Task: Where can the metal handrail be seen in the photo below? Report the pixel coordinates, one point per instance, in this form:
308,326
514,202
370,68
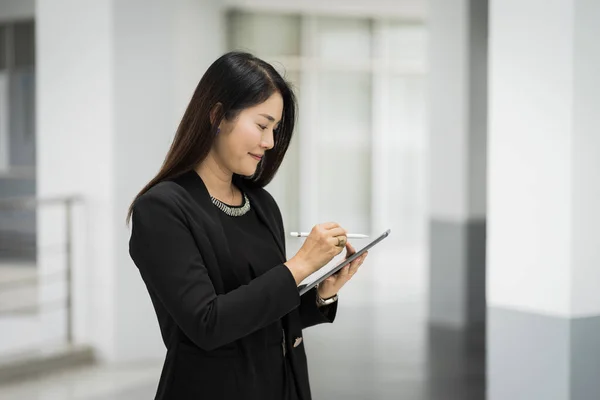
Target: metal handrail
17,284
29,202
52,305
33,202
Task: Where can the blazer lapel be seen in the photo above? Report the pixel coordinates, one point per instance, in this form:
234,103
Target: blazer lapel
192,182
268,218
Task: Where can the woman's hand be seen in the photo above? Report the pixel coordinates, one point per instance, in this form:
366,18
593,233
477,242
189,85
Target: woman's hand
331,286
324,242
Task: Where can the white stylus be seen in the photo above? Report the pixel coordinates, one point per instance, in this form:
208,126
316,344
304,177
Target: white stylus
349,236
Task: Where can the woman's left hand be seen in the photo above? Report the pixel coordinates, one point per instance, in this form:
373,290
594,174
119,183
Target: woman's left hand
331,286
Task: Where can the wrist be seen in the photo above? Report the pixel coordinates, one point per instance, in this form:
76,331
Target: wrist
299,269
324,294
325,301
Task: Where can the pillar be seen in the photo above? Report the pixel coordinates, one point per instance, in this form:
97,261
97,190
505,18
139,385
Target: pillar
457,126
544,157
114,78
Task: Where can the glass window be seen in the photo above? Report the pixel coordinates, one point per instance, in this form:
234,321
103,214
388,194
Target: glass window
24,48
339,78
344,152
17,95
406,147
2,48
343,39
266,35
407,43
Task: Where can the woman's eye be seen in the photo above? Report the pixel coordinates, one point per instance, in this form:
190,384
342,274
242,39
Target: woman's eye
263,127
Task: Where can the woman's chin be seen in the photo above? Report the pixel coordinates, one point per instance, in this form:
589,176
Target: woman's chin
247,171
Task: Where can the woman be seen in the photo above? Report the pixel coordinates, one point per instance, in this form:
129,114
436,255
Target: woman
208,241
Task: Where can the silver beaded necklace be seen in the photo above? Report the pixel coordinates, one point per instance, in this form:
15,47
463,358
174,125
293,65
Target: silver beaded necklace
232,211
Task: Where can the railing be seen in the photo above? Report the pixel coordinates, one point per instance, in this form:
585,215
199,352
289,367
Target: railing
17,248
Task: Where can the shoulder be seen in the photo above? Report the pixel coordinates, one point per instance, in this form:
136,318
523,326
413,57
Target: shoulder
157,219
163,197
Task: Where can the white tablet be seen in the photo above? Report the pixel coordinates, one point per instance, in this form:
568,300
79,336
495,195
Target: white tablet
319,276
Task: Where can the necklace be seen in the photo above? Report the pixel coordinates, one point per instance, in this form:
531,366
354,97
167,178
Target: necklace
232,211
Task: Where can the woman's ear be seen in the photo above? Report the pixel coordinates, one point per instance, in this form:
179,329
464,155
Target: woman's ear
216,113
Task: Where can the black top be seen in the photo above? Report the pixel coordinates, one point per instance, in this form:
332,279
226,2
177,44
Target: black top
251,243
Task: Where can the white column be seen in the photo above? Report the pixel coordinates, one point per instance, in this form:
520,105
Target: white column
164,47
457,139
74,142
114,78
543,258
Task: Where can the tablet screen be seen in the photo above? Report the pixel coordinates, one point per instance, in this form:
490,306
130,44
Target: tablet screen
325,272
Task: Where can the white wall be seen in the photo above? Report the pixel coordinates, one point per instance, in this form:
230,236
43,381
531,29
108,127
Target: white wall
529,169
585,153
113,82
544,144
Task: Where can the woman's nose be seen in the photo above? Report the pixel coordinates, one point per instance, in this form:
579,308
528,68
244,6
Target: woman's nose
267,141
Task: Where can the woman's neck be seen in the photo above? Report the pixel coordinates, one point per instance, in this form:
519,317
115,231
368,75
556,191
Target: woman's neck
218,180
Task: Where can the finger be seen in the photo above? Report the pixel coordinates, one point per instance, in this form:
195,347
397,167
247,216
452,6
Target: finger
338,231
346,271
355,265
358,262
330,225
362,259
339,242
338,250
349,249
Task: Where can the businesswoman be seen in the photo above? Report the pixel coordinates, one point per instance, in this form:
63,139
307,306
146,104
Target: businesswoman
209,244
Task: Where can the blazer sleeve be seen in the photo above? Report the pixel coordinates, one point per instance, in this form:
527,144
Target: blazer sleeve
310,313
170,263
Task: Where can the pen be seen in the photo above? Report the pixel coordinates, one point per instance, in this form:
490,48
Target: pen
349,236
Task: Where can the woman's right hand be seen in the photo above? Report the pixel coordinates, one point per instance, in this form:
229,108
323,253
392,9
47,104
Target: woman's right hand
324,242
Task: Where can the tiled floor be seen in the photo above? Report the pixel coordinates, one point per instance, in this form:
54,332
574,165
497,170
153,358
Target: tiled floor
131,381
379,348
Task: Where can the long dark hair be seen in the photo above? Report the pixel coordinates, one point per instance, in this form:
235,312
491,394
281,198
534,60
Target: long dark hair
236,80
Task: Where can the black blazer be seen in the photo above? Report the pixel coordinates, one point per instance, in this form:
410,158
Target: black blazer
211,316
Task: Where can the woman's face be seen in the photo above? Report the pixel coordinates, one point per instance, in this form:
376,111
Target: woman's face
241,143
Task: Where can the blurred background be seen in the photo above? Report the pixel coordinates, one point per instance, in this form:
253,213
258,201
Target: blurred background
467,127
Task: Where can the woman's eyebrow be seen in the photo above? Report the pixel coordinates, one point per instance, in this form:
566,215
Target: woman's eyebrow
267,116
